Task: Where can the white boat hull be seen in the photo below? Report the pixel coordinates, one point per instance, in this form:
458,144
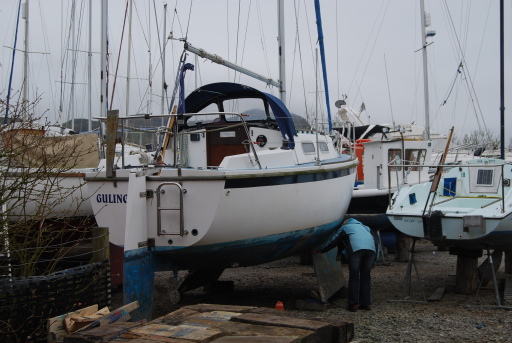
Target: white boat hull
467,219
227,210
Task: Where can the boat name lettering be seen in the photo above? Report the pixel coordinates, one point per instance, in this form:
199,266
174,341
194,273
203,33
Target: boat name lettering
112,198
227,134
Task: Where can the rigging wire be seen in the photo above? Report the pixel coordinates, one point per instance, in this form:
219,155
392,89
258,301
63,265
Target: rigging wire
245,38
368,43
262,38
119,56
237,35
467,77
189,15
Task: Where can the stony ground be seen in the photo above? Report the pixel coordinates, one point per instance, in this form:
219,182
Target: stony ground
455,318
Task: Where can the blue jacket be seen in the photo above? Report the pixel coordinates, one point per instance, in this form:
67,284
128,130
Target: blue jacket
359,235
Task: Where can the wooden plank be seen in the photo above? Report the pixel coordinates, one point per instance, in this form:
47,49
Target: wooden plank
322,329
131,337
57,327
258,339
208,319
188,332
236,329
120,314
103,333
156,340
176,317
437,295
343,331
218,307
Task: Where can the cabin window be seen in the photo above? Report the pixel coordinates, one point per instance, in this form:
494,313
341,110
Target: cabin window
212,108
484,177
251,108
323,147
415,157
394,157
308,148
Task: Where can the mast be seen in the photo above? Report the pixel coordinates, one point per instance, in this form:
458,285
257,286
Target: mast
25,60
150,96
104,42
322,56
73,67
164,41
89,71
12,65
282,55
502,83
424,24
128,64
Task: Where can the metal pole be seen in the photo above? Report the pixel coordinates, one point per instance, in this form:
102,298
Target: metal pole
502,83
218,59
25,60
128,64
103,62
282,54
425,69
89,70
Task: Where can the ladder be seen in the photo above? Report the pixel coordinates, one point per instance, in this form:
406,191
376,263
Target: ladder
160,209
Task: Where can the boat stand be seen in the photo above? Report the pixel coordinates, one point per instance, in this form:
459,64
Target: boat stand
407,282
382,255
490,266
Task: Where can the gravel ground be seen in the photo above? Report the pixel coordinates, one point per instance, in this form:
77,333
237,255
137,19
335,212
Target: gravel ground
455,318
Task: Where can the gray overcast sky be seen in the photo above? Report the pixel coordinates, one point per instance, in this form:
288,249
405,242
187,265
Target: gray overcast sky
372,54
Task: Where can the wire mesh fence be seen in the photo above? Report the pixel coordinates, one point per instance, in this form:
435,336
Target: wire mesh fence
26,303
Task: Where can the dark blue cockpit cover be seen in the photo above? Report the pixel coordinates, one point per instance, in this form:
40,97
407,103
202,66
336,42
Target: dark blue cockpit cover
218,92
283,118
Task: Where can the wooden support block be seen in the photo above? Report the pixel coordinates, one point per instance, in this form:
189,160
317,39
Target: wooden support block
466,279
102,333
437,295
343,331
238,329
258,339
323,330
191,333
217,307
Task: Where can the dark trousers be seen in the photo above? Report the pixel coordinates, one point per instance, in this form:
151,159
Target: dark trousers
360,265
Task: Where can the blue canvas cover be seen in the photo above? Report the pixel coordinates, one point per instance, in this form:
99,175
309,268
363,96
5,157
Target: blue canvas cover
218,92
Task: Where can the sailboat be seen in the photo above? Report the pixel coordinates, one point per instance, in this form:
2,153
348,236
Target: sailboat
469,206
232,189
378,147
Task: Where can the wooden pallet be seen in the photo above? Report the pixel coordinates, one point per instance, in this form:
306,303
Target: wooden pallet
204,323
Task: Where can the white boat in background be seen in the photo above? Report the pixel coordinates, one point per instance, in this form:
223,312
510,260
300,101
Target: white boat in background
377,147
470,206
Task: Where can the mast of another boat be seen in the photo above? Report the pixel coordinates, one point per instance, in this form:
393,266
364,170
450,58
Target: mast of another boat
502,83
281,51
129,59
425,23
103,58
25,60
89,70
164,41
